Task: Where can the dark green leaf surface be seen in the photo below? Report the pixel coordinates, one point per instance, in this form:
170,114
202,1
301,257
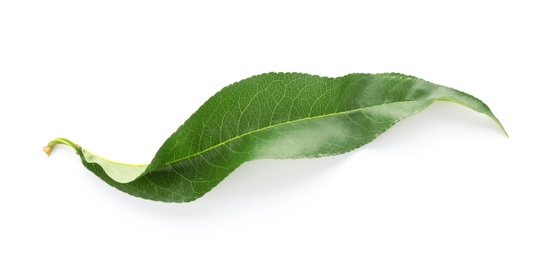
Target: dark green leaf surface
275,116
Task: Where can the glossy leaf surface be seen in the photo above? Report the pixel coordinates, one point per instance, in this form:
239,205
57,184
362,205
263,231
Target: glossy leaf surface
274,116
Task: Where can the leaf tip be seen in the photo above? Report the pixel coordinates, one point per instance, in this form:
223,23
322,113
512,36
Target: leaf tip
500,125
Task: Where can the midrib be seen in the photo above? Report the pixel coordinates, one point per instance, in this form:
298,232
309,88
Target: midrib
280,124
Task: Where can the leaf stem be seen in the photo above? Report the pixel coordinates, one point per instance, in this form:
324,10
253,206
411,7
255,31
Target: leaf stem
48,149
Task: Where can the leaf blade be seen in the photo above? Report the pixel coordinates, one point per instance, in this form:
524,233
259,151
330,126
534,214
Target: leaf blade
280,116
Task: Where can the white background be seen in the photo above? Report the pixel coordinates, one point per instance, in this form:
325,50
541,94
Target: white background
119,77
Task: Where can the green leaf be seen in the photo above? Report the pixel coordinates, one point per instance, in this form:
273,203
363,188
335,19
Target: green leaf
274,116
